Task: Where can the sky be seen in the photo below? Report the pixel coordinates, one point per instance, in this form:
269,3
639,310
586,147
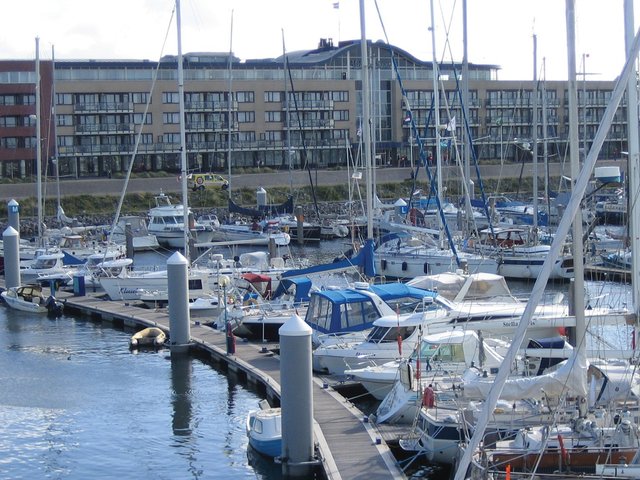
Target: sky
500,32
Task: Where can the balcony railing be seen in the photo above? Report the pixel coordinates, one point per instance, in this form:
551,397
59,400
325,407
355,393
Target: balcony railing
104,128
103,107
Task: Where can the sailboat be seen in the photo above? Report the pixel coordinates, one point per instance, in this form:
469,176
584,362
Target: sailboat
571,216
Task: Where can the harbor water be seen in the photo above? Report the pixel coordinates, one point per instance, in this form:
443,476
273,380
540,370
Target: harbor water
76,403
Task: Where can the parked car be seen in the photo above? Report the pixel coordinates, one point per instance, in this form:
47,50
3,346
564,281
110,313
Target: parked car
200,181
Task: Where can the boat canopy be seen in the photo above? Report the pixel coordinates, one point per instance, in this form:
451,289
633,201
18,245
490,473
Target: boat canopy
299,286
355,309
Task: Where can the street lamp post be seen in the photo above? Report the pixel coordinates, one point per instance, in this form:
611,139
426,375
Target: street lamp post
224,281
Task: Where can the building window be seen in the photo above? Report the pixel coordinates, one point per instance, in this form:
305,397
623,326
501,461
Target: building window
270,97
8,122
171,138
273,116
137,119
17,77
64,99
245,97
340,96
64,120
247,136
171,118
9,142
65,140
246,117
273,135
140,97
7,100
170,97
341,115
86,98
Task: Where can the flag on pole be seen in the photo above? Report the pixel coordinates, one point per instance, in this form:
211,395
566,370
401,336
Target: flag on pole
451,126
336,5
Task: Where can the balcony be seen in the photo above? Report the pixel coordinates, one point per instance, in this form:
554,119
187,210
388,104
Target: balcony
309,105
210,106
104,128
192,127
311,124
103,107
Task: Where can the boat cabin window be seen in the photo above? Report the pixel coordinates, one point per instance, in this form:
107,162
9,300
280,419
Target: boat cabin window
406,304
443,432
257,426
195,284
319,312
349,315
45,263
449,353
357,314
387,335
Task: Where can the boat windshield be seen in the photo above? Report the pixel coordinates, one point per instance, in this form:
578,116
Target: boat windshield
389,334
443,352
408,304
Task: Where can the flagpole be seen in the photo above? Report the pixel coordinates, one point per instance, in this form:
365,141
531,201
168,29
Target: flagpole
336,6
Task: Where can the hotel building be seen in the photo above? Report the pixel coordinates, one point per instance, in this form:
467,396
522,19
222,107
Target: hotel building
265,112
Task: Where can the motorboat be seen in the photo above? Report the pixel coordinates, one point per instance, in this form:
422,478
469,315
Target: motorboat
447,352
44,264
142,239
30,298
264,430
263,311
132,284
166,222
338,315
255,233
519,253
148,337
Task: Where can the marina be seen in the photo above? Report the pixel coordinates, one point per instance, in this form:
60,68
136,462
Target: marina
397,349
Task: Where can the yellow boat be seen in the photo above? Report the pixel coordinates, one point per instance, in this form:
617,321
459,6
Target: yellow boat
148,337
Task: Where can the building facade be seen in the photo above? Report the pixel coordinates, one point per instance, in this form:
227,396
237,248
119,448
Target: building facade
305,111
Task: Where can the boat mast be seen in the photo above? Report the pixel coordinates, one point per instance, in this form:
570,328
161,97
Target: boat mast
633,169
38,143
468,226
545,143
287,124
183,135
436,108
230,106
55,136
366,120
574,156
534,136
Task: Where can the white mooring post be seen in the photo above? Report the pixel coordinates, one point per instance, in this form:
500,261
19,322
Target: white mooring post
13,210
11,241
296,398
178,289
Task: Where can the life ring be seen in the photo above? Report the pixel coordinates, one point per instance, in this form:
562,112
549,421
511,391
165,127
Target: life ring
199,180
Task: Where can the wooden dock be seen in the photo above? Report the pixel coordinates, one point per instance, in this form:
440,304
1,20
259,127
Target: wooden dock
349,446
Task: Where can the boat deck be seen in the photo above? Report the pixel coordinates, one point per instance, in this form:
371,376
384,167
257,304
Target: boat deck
350,447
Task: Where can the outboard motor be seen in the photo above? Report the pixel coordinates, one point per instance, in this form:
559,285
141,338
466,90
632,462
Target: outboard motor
54,308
